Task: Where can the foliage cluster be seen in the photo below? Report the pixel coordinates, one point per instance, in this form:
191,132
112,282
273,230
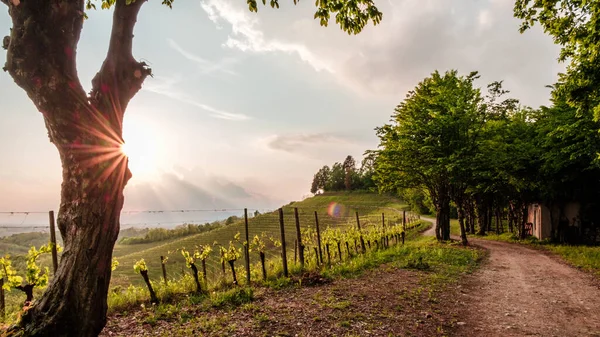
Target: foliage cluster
345,176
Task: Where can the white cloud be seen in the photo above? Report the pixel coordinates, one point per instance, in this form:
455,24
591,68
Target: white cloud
415,38
165,87
247,35
205,65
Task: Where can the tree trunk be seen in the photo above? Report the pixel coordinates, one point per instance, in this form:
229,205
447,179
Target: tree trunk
196,279
87,131
339,247
443,219
461,221
498,220
348,250
481,215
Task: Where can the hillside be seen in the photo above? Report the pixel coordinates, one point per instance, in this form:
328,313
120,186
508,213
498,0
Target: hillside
333,209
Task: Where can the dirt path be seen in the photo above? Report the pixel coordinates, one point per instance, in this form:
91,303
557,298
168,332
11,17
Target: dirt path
520,291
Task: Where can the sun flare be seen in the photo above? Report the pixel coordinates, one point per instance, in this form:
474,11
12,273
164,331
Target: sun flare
143,147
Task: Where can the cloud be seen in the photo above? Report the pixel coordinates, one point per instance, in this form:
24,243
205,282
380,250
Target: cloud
205,66
165,86
247,36
185,189
415,38
296,143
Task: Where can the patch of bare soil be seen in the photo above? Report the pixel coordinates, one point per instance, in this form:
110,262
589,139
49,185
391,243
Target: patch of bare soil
387,301
521,291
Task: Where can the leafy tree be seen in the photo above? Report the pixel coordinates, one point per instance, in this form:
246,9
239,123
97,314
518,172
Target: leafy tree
349,166
573,24
87,131
430,131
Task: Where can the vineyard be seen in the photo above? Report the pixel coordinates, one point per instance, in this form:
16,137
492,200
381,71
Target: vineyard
258,248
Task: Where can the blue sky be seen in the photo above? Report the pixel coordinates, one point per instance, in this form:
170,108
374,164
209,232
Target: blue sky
245,107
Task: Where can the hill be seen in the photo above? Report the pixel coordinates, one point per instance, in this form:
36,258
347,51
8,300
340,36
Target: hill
333,210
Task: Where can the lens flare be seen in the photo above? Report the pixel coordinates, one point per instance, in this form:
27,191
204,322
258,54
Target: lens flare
335,210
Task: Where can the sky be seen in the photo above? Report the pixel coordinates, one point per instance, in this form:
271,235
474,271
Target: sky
245,107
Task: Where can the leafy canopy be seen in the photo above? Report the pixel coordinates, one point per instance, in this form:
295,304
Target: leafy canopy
351,15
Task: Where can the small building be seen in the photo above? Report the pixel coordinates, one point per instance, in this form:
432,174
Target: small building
555,221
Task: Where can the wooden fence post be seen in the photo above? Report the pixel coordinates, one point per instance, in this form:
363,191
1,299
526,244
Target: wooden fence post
318,238
2,303
362,241
53,241
404,220
247,246
299,238
283,252
164,268
384,238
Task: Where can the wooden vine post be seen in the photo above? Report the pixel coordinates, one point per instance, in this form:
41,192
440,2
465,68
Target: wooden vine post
299,238
247,247
164,268
53,241
362,240
283,252
2,302
318,237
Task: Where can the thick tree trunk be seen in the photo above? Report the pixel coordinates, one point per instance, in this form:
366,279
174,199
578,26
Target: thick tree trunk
87,131
443,219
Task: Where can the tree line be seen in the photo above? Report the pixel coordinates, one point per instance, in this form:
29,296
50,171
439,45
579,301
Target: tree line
453,148
345,176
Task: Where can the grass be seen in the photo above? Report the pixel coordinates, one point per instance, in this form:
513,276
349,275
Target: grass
586,258
446,261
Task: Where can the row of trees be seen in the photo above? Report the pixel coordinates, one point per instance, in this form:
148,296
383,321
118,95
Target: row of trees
345,176
487,155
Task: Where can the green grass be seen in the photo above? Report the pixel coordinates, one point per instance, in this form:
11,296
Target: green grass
447,261
584,257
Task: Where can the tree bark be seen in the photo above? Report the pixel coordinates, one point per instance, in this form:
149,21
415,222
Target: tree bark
87,131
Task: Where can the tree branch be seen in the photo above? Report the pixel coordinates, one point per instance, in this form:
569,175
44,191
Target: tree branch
121,76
